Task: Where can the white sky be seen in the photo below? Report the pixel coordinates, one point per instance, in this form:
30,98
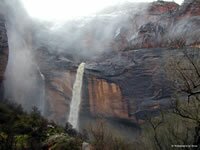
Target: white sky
61,10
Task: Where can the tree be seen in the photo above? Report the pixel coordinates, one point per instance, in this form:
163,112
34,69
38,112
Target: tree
185,74
179,125
101,137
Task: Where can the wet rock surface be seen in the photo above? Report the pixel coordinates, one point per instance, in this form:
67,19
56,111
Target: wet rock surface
189,8
3,52
167,27
59,75
3,47
139,74
149,35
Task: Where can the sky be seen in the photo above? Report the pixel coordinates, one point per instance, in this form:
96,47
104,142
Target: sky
61,10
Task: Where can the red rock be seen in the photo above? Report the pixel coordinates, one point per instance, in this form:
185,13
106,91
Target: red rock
106,99
161,7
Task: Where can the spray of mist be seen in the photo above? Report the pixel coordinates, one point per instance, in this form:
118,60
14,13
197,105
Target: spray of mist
24,83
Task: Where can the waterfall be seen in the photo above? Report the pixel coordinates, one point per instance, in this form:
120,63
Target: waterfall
41,106
76,97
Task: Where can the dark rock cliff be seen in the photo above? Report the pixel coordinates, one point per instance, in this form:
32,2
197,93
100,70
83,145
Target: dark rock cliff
139,77
3,52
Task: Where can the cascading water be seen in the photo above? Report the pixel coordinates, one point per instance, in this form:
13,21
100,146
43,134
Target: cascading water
41,106
76,97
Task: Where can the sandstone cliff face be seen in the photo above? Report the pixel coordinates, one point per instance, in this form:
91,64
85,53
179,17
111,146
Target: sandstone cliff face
106,99
161,7
101,98
58,96
168,28
59,75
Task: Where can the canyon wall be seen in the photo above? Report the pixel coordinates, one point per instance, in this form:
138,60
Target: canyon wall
101,97
58,96
139,78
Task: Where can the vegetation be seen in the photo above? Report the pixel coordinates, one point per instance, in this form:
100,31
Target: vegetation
20,130
102,138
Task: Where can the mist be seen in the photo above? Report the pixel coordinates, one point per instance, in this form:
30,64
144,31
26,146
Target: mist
23,81
186,29
92,35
